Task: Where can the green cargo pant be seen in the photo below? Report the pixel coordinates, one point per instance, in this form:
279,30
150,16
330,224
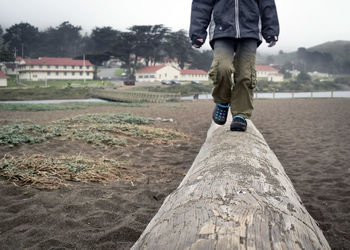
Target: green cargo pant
237,57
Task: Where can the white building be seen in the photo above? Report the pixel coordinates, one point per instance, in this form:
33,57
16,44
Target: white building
3,79
167,73
193,75
50,68
268,73
318,74
294,72
157,73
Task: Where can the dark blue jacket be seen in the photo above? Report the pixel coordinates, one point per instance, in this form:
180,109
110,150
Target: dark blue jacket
234,19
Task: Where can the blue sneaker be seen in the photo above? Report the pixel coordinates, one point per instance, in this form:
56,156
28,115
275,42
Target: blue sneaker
220,113
239,123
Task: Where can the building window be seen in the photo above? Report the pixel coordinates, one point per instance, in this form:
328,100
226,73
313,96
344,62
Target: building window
140,77
40,66
56,73
88,73
65,73
64,66
81,67
48,66
152,76
31,66
56,66
81,73
48,73
165,75
87,67
72,67
146,76
73,73
160,76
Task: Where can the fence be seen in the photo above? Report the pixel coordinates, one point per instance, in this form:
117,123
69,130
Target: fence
285,95
135,96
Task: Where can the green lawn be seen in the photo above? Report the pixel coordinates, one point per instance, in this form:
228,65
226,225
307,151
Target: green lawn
119,72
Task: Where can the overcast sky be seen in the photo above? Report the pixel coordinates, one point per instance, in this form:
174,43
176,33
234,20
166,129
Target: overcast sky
304,23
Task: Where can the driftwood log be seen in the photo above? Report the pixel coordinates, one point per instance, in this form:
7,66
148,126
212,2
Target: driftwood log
235,196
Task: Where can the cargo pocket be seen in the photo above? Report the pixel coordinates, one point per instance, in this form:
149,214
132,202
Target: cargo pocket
253,80
213,72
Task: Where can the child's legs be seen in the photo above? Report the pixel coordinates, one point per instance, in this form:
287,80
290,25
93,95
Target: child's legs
244,78
221,70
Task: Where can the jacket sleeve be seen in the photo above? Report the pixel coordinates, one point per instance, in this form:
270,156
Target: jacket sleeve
200,18
269,18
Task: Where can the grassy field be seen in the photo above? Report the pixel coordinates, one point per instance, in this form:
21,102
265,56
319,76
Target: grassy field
56,83
43,93
119,72
53,89
79,90
183,89
61,106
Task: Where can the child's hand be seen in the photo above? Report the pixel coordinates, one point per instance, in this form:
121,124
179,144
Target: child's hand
197,43
272,41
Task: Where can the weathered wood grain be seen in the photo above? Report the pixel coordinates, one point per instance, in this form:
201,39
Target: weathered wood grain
235,196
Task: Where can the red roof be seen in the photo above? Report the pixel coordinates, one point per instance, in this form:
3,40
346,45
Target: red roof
193,72
150,69
2,74
56,61
265,68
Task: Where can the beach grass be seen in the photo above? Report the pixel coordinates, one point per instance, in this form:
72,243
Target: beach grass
48,172
103,129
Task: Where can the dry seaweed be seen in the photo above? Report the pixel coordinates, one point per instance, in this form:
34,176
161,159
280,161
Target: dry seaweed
43,172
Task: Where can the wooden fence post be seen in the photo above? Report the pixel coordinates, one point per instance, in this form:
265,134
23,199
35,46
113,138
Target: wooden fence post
236,195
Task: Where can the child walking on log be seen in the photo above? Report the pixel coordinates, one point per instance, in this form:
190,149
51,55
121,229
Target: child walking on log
236,29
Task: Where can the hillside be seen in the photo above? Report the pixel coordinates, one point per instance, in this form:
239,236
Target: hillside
340,50
330,57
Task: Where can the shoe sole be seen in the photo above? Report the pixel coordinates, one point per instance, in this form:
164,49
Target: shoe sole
238,126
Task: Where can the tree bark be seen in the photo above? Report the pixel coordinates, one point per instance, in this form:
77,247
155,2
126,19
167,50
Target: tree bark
235,196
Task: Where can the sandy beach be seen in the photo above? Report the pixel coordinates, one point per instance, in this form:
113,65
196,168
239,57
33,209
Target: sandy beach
309,136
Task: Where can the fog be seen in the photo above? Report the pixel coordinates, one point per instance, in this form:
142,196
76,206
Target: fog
303,23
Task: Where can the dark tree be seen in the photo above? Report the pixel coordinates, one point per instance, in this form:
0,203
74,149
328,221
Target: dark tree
124,48
63,41
22,35
149,42
201,59
287,75
303,77
179,47
68,39
1,39
103,39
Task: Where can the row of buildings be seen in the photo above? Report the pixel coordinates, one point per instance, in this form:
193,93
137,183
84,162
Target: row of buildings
167,72
48,68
